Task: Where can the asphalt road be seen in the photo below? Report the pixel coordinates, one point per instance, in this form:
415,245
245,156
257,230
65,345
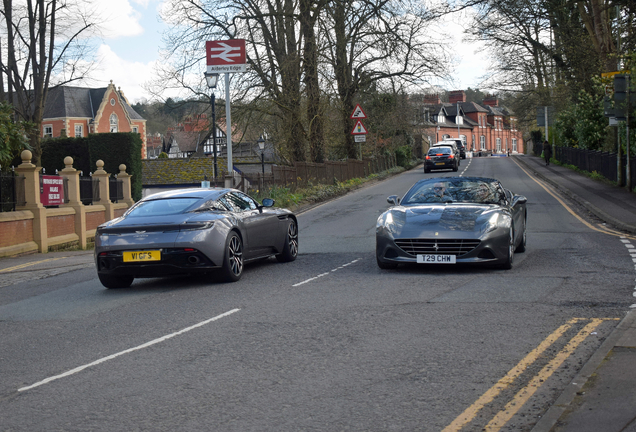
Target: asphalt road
328,342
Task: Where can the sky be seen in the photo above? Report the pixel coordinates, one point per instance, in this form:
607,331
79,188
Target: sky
129,49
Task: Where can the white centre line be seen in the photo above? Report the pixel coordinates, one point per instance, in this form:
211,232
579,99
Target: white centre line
325,274
110,357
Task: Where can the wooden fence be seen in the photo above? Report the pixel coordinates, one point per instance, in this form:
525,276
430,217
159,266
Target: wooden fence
303,174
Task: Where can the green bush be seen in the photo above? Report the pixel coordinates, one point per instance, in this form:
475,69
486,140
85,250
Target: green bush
112,148
403,156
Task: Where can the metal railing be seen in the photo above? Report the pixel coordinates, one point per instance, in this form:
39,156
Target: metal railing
604,163
11,191
89,190
116,189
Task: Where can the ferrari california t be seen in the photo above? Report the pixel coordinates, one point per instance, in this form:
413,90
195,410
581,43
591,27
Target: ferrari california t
193,231
452,220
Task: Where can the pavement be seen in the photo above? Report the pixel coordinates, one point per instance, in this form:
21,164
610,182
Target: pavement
601,398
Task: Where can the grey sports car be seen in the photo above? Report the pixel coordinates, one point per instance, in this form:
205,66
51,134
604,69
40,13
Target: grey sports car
452,220
193,231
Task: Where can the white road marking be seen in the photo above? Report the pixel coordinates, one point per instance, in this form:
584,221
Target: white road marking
325,274
110,357
630,249
464,170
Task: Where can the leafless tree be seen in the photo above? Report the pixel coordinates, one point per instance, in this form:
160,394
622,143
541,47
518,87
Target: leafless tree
297,49
45,44
374,41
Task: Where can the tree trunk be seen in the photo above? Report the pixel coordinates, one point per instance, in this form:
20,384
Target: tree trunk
312,86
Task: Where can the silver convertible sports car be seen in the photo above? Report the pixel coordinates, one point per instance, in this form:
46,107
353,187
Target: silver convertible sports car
452,220
193,231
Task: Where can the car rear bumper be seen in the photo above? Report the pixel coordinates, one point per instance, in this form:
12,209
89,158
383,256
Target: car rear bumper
450,164
173,261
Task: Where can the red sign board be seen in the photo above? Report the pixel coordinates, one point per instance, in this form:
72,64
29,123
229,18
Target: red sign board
225,55
51,190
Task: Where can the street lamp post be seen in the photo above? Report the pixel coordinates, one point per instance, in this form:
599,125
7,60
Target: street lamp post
261,145
212,79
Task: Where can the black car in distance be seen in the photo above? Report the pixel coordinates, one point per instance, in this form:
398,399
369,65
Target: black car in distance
441,157
461,147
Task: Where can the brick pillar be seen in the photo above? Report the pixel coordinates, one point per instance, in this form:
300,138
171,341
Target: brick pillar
73,180
126,183
104,190
33,204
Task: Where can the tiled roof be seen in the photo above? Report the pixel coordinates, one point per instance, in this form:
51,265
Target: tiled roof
188,141
469,107
80,102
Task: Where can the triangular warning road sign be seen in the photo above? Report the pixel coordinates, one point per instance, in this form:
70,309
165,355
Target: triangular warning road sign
358,113
359,129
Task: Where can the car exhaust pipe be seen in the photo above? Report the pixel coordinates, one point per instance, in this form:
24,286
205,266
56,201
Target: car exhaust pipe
193,259
104,264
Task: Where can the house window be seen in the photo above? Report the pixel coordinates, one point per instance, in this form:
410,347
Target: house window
445,136
463,138
514,145
498,145
482,142
47,131
135,129
79,130
113,122
112,101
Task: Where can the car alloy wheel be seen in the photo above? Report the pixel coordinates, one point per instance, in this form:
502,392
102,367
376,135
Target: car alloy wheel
524,236
290,250
233,261
507,265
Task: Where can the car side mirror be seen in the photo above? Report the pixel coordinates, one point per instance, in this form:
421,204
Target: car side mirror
268,202
393,200
519,199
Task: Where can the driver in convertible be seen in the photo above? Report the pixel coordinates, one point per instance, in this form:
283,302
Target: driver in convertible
439,194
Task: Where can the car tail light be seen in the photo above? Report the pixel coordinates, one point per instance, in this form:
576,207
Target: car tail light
452,156
428,157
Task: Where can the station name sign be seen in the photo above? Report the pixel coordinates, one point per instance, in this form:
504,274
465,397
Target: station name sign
226,56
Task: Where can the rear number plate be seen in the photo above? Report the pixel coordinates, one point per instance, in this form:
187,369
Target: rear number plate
440,163
138,256
436,259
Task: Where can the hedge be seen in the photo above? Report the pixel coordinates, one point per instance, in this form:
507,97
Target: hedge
112,148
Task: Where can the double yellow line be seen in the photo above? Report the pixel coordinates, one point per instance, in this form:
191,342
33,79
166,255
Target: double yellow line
29,264
517,402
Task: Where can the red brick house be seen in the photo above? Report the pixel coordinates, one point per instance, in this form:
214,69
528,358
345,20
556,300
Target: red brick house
78,111
485,126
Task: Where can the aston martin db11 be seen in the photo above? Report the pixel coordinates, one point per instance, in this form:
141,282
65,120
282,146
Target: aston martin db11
193,231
